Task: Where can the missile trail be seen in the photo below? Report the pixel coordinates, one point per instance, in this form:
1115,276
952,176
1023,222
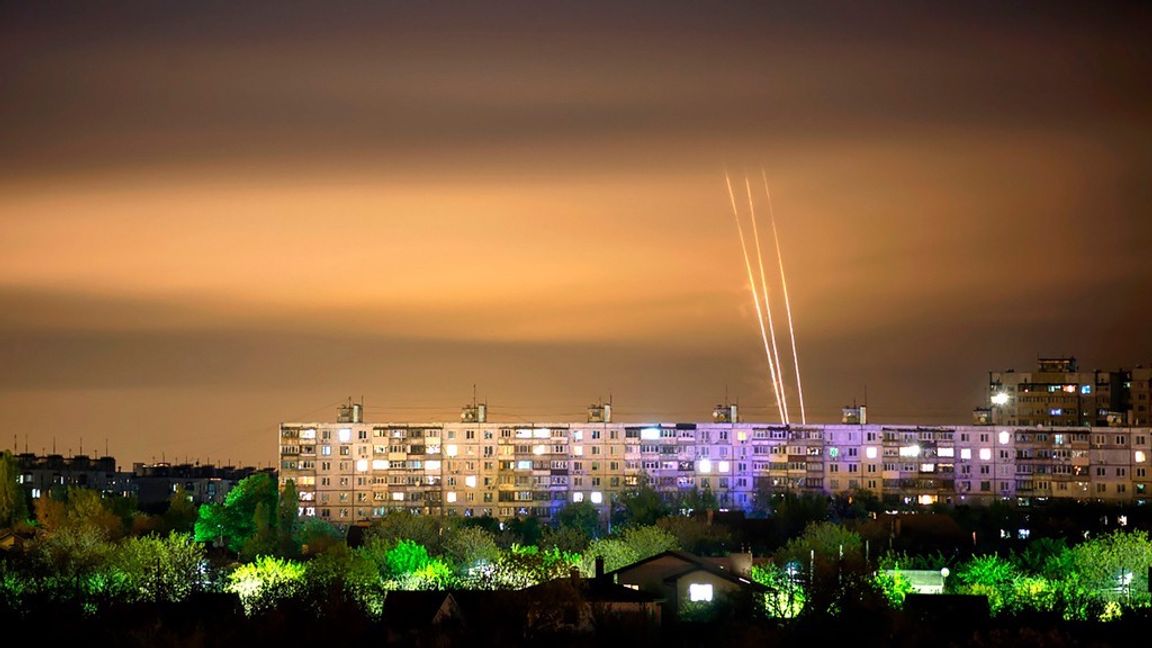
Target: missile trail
787,303
783,395
755,297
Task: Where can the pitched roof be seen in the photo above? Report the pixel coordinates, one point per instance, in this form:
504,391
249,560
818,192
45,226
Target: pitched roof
692,563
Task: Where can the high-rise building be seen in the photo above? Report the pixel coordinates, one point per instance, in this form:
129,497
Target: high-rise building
1057,393
356,470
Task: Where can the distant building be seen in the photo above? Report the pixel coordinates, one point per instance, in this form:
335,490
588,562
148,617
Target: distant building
151,484
43,475
678,578
1057,393
155,483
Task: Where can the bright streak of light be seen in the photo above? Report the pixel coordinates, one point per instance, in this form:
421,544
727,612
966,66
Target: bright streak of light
755,297
783,394
787,302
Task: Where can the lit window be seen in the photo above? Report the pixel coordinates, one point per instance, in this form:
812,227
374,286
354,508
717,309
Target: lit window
1085,389
927,467
704,466
578,451
345,435
432,464
361,465
1141,457
450,496
1056,411
577,496
524,465
539,449
470,481
741,436
700,592
910,451
450,450
985,454
650,433
1000,398
307,434
946,452
597,497
1005,437
871,452
965,453
723,466
379,464
398,497
35,493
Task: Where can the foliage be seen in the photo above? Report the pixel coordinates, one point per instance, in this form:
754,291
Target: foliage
523,531
990,576
696,535
342,575
13,503
580,516
564,539
159,568
827,541
642,505
181,514
400,525
318,536
1113,567
265,582
235,521
785,597
470,547
895,586
523,566
634,544
288,520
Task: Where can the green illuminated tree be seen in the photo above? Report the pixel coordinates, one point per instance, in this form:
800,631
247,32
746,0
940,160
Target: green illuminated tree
1114,567
235,521
164,568
424,530
471,547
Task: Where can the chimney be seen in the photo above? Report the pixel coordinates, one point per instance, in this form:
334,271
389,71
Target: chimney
599,567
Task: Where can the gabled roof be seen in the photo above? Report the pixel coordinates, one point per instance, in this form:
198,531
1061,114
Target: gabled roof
593,590
404,608
721,573
692,563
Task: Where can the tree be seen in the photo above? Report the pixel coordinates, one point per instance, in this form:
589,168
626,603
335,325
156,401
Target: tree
1114,566
523,530
235,521
288,520
265,582
181,514
471,548
696,535
581,516
990,576
13,501
424,530
159,568
318,536
642,505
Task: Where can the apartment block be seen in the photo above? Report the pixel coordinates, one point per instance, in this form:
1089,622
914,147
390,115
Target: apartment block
355,470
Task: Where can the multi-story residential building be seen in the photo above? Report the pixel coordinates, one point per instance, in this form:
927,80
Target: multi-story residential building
1058,393
40,475
154,483
354,470
151,484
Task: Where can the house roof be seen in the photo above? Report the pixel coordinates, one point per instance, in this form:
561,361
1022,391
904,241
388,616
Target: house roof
692,563
720,573
594,590
417,608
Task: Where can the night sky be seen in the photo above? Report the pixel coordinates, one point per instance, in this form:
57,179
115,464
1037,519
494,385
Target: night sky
218,216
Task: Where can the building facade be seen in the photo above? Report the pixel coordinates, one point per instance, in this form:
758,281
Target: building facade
355,470
1057,393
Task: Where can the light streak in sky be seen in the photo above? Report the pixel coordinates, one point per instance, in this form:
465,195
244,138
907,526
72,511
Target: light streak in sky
782,395
755,297
787,303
